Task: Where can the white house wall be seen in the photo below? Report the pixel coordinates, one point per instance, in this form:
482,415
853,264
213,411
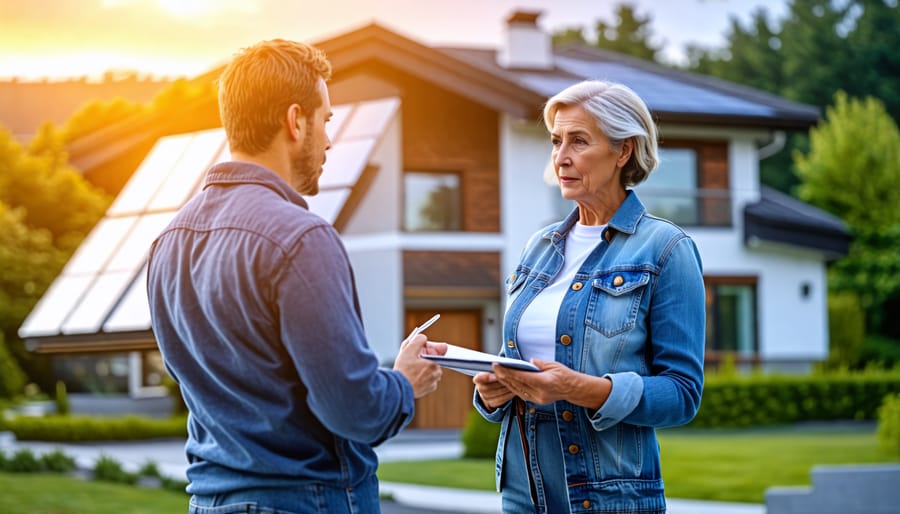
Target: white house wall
378,269
380,209
527,201
379,284
789,327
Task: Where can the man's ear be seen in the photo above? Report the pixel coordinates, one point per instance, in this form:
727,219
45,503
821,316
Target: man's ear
296,122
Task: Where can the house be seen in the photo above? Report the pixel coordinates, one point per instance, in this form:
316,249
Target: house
434,182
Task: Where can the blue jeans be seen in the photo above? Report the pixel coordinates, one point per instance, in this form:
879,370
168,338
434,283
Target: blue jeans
303,499
547,468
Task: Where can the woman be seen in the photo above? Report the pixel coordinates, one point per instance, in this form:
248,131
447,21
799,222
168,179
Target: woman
609,303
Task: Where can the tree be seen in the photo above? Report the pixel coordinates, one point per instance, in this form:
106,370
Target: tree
817,48
97,114
53,195
853,171
12,379
751,58
630,35
28,263
46,209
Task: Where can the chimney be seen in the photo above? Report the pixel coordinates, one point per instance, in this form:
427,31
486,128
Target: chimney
526,46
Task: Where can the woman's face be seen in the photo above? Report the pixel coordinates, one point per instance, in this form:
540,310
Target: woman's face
587,166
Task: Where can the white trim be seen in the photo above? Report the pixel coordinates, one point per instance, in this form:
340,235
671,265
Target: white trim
461,241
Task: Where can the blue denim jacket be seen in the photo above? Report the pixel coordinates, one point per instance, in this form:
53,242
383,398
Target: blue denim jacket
254,307
635,314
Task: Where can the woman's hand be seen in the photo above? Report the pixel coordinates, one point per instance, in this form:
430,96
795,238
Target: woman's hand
553,383
493,393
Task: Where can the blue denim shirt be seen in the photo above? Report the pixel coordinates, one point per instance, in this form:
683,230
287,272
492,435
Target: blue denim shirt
254,306
635,313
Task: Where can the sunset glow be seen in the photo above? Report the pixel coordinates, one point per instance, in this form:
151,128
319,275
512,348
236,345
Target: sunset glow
170,38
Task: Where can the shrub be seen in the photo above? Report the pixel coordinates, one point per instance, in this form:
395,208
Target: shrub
63,408
108,469
57,462
149,469
479,437
83,428
3,461
889,424
24,461
846,329
12,379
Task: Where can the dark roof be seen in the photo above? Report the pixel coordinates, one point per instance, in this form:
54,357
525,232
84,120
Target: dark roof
780,218
673,95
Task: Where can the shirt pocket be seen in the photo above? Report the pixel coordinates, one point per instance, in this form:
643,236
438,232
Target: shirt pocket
615,301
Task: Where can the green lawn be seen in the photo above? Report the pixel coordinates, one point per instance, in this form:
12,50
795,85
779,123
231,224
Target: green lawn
26,493
728,465
707,464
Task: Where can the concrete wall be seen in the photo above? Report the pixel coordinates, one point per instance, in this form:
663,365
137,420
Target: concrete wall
870,489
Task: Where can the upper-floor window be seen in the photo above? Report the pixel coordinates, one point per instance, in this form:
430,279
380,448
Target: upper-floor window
690,186
671,190
432,202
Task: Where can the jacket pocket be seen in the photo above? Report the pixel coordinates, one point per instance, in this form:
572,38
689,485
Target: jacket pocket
615,301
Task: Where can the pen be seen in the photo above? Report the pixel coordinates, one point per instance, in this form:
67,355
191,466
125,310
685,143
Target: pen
416,331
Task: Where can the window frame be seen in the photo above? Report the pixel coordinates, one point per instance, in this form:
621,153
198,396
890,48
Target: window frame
715,355
460,207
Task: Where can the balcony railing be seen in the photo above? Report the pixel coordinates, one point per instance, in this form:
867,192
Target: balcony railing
698,207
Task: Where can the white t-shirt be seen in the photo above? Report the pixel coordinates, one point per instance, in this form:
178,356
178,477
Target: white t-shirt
537,328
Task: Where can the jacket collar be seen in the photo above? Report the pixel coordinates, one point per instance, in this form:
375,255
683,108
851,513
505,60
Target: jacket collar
624,220
239,172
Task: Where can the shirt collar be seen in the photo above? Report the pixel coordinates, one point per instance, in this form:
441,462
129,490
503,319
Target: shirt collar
239,172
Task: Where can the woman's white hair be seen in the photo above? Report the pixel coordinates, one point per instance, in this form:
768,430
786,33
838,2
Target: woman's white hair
620,114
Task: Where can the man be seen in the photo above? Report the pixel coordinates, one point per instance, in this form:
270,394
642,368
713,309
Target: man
255,310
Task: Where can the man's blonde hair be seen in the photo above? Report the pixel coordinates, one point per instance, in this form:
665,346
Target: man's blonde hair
260,83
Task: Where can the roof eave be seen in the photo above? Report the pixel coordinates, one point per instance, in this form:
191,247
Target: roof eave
100,342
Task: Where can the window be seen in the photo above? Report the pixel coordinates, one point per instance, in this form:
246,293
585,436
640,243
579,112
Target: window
671,191
431,202
731,316
96,373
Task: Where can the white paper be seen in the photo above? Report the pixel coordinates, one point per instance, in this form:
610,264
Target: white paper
472,362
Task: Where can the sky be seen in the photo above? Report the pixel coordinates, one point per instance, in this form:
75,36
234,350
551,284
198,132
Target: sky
171,38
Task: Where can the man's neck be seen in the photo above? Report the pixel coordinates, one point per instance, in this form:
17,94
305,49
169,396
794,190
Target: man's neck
269,159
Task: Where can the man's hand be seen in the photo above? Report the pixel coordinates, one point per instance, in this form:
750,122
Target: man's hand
422,374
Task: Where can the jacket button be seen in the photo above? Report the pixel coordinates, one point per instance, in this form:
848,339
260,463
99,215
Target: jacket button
567,415
512,278
573,449
511,344
577,286
618,280
565,339
586,504
532,410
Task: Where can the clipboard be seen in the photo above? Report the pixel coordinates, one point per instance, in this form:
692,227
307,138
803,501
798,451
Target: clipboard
471,362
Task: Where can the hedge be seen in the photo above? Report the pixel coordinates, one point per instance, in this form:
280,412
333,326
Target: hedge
82,428
742,401
776,399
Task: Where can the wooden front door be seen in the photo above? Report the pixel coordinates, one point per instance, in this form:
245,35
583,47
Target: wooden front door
449,406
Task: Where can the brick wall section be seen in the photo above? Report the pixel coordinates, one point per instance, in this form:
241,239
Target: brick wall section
443,132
